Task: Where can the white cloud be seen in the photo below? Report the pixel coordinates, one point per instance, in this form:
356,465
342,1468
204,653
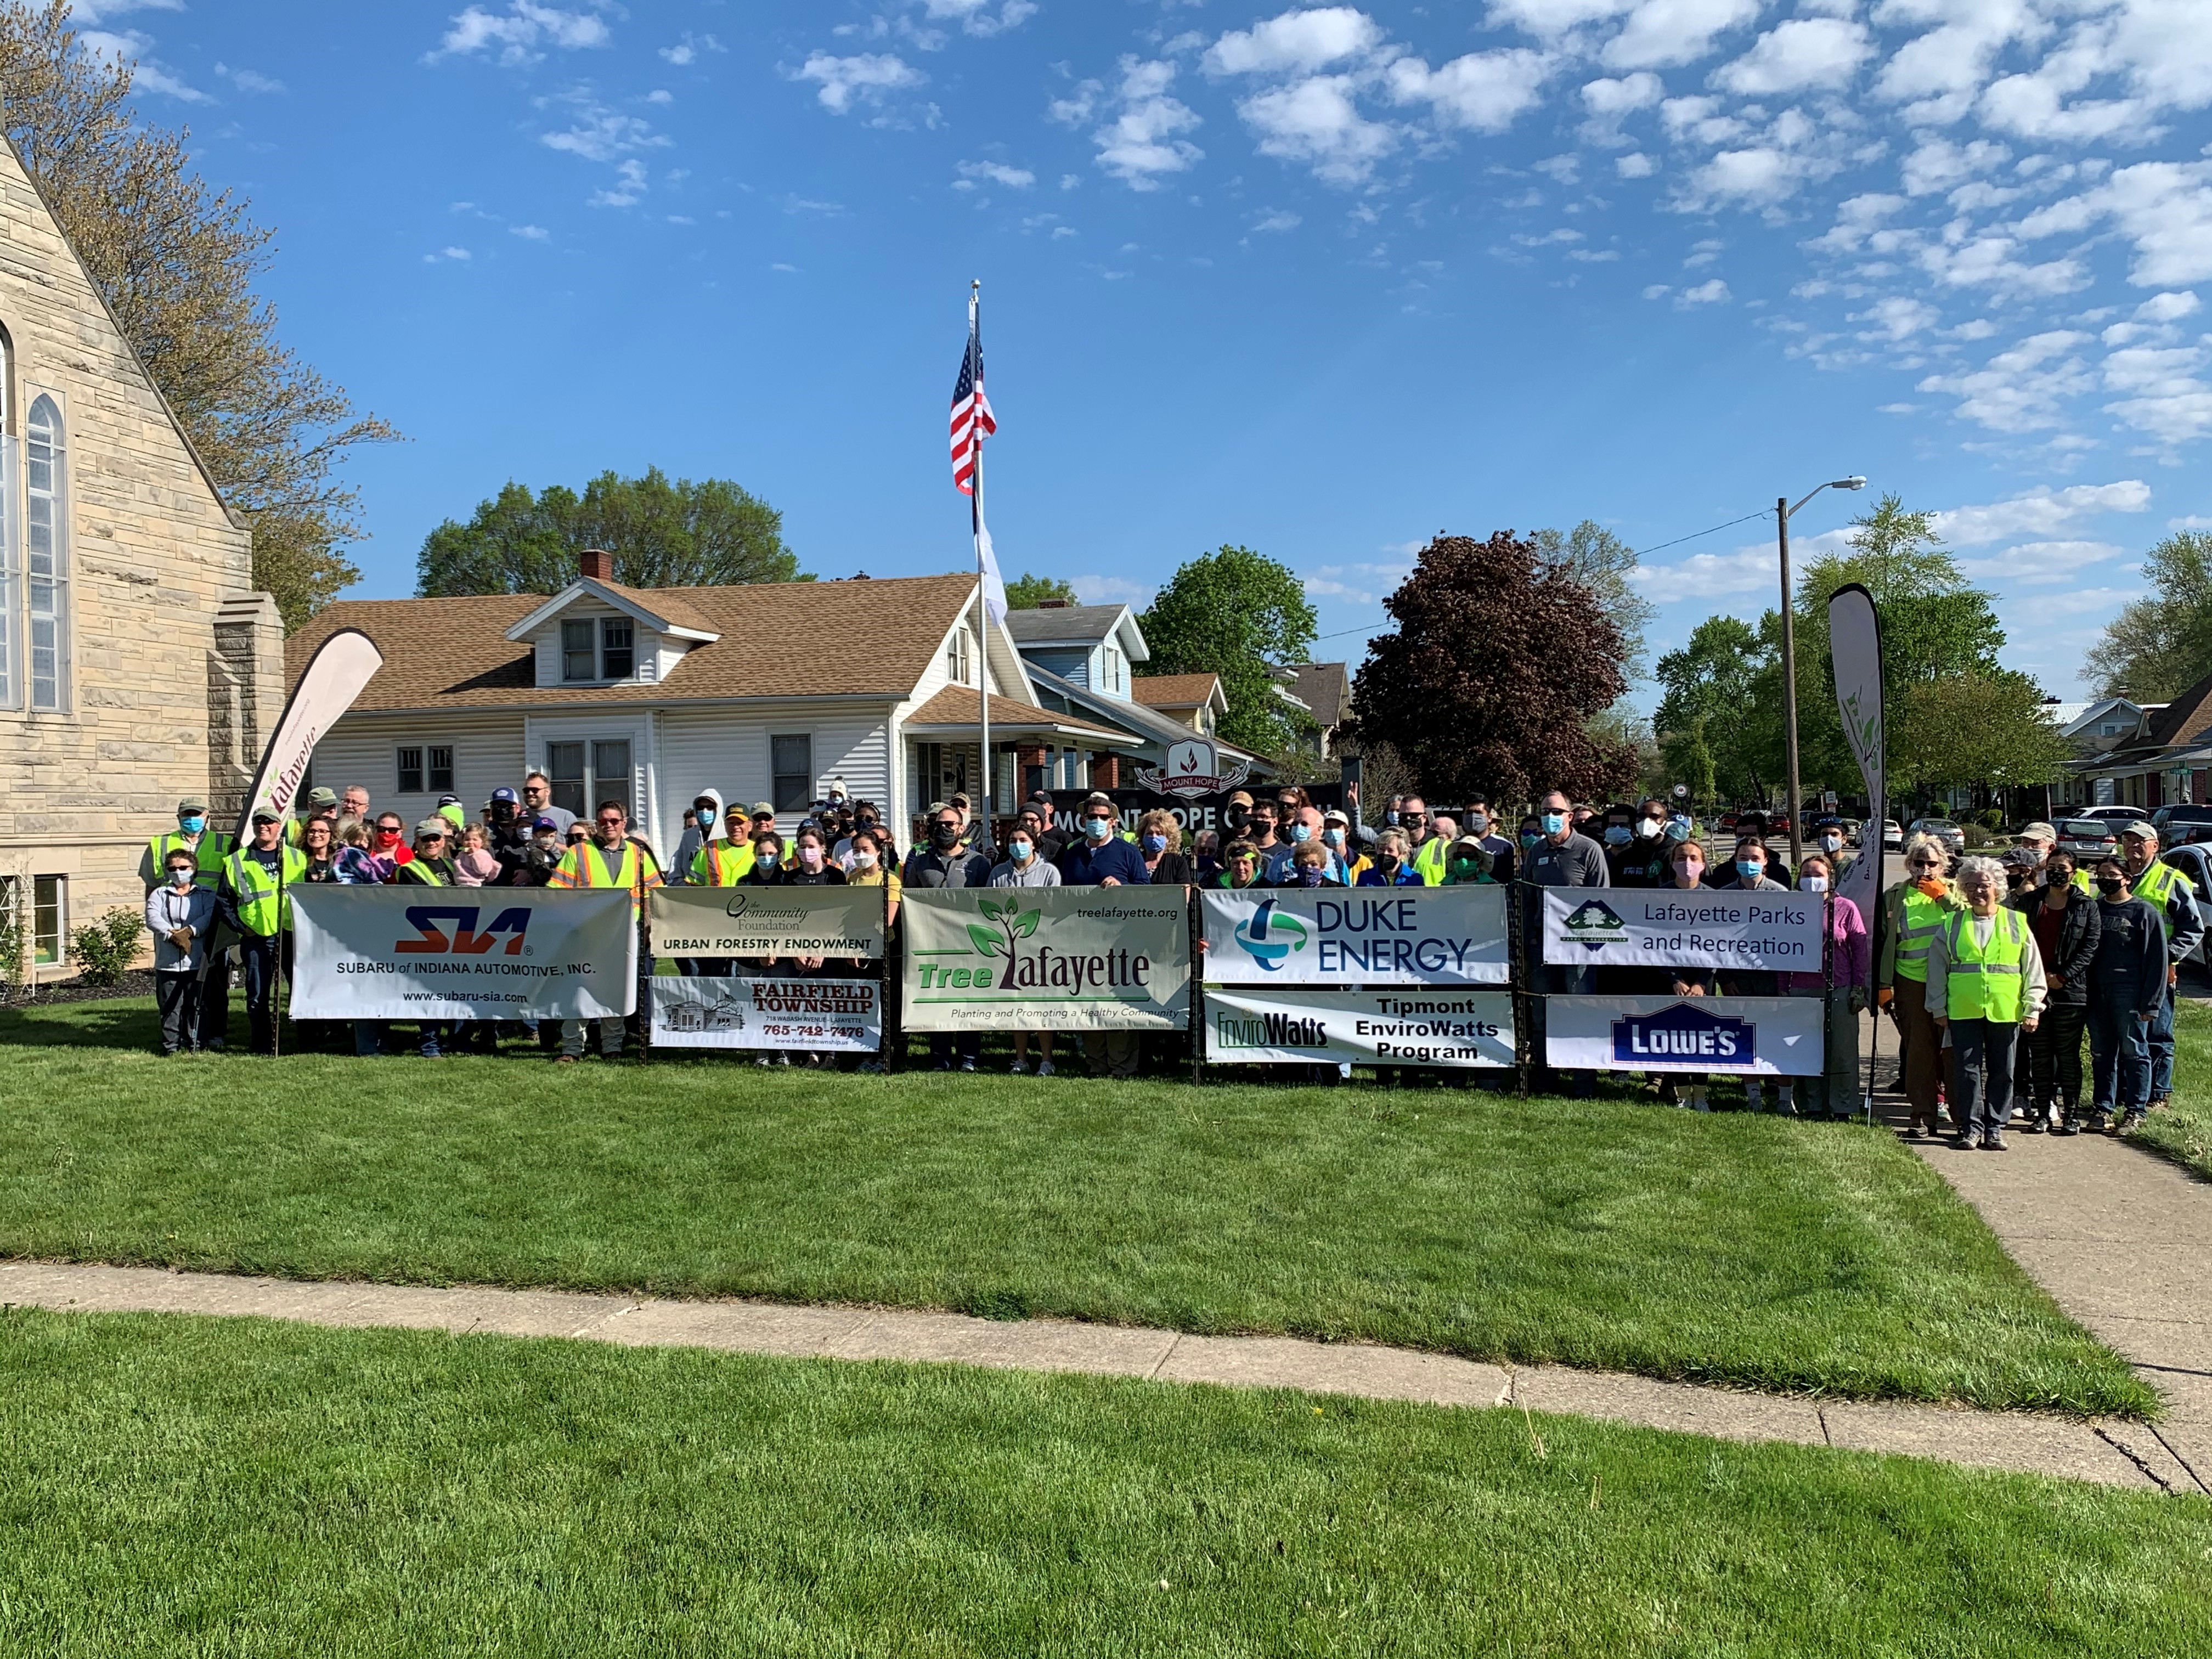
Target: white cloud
2019,390
85,13
1609,96
627,189
602,135
976,16
448,255
1111,590
1275,220
2163,392
1803,53
866,76
1139,146
147,73
1481,92
516,34
1663,32
1703,576
1954,56
1635,167
1317,122
1295,43
246,79
688,48
1712,293
529,232
2163,207
1550,18
997,173
2039,512
2168,308
2039,563
1896,318
1937,164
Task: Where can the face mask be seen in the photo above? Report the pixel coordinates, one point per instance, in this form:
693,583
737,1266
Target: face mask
1832,843
1813,884
387,837
1097,829
1461,869
1749,869
1391,818
943,833
810,856
1477,825
1554,822
2110,885
768,857
1618,835
1334,837
181,875
1300,833
1156,843
1690,874
1309,875
1678,831
1648,828
1237,816
193,824
1529,838
1021,851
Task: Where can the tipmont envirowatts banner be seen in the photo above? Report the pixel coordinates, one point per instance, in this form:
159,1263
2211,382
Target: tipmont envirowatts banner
1682,927
462,953
1045,959
1264,1025
767,921
1356,936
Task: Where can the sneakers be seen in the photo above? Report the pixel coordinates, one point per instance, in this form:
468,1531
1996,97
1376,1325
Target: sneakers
1969,1140
1993,1142
2134,1120
1044,1068
2069,1125
1019,1068
2160,1103
966,1065
2100,1122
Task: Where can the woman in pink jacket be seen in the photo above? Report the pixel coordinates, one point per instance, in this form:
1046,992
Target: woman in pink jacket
1849,963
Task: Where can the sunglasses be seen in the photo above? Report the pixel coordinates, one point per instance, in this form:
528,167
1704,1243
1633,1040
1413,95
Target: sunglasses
611,823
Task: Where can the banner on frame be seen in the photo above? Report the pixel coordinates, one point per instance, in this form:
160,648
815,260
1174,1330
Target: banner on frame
832,1016
1266,1025
1744,1036
1356,936
1045,959
767,921
1682,927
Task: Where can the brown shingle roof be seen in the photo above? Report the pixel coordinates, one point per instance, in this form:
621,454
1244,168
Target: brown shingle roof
778,639
2186,718
959,705
1320,686
1174,690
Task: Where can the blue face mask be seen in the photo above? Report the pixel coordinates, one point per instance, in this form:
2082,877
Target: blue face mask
769,858
1156,843
1020,849
1302,832
1097,829
1390,817
1334,837
193,823
1750,869
1618,835
1554,822
1529,838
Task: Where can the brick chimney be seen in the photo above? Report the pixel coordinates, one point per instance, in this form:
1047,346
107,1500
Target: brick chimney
597,564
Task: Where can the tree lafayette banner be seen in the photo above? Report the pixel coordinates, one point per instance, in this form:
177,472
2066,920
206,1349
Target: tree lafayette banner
1268,1025
1744,1036
462,953
1045,959
767,921
1682,927
834,1016
1356,936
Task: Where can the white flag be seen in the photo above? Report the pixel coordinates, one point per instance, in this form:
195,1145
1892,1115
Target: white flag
1854,646
334,677
994,585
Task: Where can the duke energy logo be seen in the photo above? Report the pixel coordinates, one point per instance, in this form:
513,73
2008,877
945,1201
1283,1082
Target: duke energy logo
1268,938
429,920
1594,925
1685,1032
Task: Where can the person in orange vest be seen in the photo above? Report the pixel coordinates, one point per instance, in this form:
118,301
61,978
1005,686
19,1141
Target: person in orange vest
609,858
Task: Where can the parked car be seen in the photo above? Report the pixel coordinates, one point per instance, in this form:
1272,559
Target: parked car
1892,838
2113,814
1853,829
2181,824
2195,862
2088,839
1954,839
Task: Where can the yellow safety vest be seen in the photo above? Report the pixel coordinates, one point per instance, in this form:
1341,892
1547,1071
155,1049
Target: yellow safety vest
586,865
259,892
1923,919
1429,860
214,848
1986,981
2157,883
720,863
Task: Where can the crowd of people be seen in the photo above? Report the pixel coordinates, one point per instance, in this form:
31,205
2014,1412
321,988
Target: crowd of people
1994,970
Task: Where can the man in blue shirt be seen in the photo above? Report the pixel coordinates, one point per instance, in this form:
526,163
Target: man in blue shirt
1102,858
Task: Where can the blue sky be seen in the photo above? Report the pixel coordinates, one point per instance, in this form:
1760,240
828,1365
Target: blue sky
1321,281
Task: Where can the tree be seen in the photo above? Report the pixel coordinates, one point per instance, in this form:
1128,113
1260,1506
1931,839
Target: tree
1712,688
1606,565
1499,663
1027,592
176,263
1689,762
1967,731
706,534
1244,616
2160,645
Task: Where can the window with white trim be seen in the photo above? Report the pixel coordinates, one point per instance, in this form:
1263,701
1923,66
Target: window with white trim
45,499
790,767
598,649
425,768
958,661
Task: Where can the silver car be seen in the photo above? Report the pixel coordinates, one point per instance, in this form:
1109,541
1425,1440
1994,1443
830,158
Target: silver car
1952,838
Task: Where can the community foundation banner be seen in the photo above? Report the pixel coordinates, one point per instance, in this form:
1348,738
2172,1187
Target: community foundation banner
1682,927
1356,936
1264,1025
1746,1037
1046,959
835,1015
462,953
767,921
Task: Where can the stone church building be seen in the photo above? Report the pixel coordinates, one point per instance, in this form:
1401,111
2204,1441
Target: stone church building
138,666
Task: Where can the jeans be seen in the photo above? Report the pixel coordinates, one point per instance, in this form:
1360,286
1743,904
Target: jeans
260,957
215,999
1981,1073
2161,1048
178,997
2120,1053
2054,1057
611,1037
1921,1061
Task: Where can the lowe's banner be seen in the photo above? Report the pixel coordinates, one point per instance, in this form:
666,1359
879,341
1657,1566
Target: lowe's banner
462,953
1356,936
767,921
1748,1037
1045,959
1682,927
1262,1025
830,1015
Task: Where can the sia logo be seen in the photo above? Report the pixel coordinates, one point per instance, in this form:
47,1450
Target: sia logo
1267,937
1594,925
428,920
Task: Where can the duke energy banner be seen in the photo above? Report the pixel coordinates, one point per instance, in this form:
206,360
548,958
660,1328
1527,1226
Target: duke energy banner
1749,1037
767,921
462,953
1682,927
1356,936
835,1016
1046,959
1261,1024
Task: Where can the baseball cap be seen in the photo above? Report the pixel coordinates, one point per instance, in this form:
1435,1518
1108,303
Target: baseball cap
1242,795
1337,815
546,821
736,809
962,800
433,827
763,809
2142,826
2039,831
505,795
449,801
191,804
266,814
319,796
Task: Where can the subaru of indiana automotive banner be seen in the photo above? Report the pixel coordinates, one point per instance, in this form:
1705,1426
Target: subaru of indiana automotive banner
826,1016
462,953
1748,1037
1261,1024
1276,936
1724,928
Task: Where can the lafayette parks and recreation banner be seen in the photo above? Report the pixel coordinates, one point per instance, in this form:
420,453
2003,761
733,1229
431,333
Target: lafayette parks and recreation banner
833,1016
1045,959
1356,936
1266,1025
1750,931
462,953
1744,1036
767,921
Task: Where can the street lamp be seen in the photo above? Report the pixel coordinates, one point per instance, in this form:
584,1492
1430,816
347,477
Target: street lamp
1783,513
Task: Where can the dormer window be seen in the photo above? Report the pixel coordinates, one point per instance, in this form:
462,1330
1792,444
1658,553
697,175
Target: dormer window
597,648
616,659
959,662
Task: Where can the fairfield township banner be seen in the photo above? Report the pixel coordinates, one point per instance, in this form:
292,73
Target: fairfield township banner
1746,1037
1266,1025
766,921
1356,936
1045,959
832,1016
462,953
1682,927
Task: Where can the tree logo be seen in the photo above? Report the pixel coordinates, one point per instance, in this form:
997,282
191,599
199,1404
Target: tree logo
1594,925
1269,936
1013,923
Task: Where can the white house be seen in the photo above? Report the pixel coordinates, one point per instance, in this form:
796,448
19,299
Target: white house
769,692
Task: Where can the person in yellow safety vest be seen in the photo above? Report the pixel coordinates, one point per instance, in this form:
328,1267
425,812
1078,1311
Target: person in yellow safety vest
609,858
1913,912
2173,895
257,906
321,804
1431,849
721,862
209,847
1986,986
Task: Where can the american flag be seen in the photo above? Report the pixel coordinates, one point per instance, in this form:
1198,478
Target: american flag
972,420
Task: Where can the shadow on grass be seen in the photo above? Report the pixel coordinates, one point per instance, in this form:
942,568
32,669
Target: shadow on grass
126,1022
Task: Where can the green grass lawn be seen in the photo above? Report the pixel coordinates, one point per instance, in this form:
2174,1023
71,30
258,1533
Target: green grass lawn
2185,1131
1754,1251
189,1487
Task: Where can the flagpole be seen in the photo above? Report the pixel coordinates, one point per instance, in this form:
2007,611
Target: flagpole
982,605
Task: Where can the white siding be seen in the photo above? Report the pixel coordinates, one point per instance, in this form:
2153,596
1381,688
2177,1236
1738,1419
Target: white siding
727,750
363,749
655,653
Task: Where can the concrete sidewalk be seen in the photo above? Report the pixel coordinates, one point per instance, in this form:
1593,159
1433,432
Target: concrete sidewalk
2117,1454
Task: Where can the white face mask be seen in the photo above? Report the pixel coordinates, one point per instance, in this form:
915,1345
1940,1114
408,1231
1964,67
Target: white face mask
181,875
1648,828
864,860
1832,843
1813,884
